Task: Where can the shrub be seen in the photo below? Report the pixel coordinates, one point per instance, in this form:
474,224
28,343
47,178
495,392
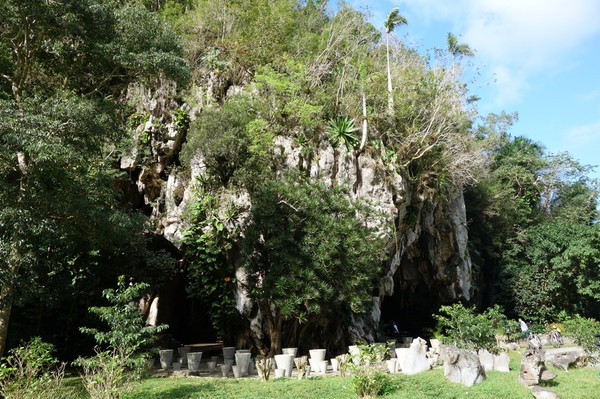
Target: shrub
466,329
583,331
122,360
368,380
30,371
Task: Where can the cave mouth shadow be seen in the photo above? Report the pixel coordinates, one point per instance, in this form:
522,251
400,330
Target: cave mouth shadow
414,319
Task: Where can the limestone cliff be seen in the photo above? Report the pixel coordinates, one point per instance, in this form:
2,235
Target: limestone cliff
428,264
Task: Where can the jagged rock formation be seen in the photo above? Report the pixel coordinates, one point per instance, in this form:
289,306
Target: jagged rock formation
428,262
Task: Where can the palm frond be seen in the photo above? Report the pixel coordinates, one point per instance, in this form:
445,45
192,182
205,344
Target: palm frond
394,19
456,49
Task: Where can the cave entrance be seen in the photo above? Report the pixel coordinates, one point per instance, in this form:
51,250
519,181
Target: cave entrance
412,312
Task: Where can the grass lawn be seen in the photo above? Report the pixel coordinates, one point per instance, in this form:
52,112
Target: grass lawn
575,384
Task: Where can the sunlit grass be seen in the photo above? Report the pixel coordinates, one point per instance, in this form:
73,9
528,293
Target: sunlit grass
575,384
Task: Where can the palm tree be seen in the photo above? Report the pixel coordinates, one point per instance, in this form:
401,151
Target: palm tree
393,19
456,49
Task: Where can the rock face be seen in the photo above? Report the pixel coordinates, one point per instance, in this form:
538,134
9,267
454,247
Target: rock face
462,366
428,263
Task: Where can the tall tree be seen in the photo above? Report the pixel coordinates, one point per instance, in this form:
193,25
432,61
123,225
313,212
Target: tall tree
48,158
307,253
458,49
62,67
392,20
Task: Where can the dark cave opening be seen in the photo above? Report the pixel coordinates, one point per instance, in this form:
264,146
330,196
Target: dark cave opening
412,313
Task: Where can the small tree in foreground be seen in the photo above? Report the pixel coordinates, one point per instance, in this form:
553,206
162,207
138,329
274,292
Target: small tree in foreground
309,251
119,358
584,332
467,329
368,379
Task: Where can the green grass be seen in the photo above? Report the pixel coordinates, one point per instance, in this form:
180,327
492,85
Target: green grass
574,384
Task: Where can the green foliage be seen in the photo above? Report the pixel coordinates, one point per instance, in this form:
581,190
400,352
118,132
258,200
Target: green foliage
208,242
220,136
394,19
467,329
308,250
64,69
31,372
144,45
584,331
456,49
105,377
127,332
286,100
182,120
92,46
531,233
53,187
119,357
368,380
555,269
249,33
341,130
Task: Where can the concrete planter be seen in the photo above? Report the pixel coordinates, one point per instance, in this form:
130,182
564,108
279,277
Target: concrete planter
166,358
285,362
228,352
243,360
183,351
193,360
316,357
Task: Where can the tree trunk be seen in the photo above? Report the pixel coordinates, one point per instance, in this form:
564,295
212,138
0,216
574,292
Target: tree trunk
361,149
389,76
275,322
6,294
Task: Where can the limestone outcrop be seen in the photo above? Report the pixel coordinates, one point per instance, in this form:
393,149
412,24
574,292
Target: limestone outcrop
428,262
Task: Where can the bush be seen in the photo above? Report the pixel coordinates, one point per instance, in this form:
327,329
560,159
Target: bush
368,380
466,329
583,331
122,360
221,137
30,371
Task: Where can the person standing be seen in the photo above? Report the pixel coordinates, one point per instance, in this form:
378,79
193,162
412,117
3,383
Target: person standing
524,328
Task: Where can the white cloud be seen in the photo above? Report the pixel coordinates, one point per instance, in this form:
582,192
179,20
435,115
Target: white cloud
510,84
516,38
531,33
583,135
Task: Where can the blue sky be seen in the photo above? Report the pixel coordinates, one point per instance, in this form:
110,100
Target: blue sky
540,58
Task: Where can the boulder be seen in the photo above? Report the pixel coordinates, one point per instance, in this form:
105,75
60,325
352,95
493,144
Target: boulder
462,366
533,369
509,346
415,360
543,393
433,354
501,362
486,359
564,358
